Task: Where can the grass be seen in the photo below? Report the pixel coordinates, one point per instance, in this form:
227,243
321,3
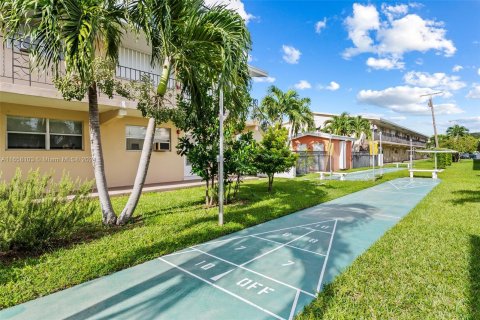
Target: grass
166,222
426,267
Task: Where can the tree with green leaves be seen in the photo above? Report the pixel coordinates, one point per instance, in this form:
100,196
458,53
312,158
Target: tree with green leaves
360,125
461,144
201,122
341,125
274,155
76,34
240,161
457,131
277,106
196,46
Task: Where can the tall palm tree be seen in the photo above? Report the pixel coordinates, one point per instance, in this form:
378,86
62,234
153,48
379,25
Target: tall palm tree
340,125
360,125
277,105
456,131
192,43
73,33
300,117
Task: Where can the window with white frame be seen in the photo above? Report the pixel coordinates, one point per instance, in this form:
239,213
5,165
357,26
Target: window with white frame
44,134
135,136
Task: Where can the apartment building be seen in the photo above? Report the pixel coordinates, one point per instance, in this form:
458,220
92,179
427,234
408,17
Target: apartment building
39,129
396,139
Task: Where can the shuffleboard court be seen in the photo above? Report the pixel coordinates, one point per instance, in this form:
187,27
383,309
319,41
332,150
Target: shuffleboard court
365,174
269,271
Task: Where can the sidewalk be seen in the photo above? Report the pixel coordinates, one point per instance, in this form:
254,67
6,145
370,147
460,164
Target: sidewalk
159,187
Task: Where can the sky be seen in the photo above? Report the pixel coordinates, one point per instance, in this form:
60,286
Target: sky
371,58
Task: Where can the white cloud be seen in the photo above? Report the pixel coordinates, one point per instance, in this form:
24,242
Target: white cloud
474,93
457,68
235,5
412,33
400,33
264,79
439,80
364,20
394,11
333,86
322,24
290,54
385,63
405,99
478,71
302,85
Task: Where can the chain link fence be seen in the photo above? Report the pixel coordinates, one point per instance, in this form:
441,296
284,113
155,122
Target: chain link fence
312,161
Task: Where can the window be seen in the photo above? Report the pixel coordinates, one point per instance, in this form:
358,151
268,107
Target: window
65,134
135,136
39,133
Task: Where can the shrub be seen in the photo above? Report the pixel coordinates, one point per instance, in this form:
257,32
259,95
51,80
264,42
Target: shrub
35,210
443,159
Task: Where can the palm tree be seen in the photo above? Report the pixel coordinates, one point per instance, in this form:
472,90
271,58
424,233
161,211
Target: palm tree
456,131
360,125
192,43
76,33
341,125
277,105
300,117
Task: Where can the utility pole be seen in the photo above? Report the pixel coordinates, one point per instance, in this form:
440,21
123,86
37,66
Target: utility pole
220,161
430,105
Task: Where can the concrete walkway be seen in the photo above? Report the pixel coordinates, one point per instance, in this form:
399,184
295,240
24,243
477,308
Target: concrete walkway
159,187
269,271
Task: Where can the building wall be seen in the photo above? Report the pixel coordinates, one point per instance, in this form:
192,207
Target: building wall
311,140
120,164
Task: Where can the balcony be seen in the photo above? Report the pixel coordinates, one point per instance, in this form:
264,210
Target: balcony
15,68
387,137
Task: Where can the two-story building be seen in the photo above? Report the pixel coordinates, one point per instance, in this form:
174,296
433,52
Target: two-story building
396,139
39,129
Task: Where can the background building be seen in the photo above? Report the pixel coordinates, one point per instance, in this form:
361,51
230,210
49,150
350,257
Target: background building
395,138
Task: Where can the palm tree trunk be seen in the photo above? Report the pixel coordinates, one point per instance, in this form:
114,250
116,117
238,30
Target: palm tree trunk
144,163
108,214
142,170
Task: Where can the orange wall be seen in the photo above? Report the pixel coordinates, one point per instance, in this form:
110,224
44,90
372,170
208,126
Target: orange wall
311,140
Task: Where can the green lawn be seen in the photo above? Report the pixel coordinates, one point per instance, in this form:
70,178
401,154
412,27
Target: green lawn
426,267
167,222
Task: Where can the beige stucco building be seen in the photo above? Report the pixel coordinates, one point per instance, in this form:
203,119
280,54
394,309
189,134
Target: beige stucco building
39,129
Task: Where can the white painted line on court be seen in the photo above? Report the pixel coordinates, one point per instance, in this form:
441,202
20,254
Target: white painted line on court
326,258
256,234
315,230
387,216
398,191
257,273
294,306
275,249
221,275
225,290
290,246
177,253
392,184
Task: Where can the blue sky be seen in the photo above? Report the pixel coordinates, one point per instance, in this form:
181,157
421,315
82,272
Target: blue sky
373,58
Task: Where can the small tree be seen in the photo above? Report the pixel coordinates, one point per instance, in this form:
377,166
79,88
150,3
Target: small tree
273,154
239,162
